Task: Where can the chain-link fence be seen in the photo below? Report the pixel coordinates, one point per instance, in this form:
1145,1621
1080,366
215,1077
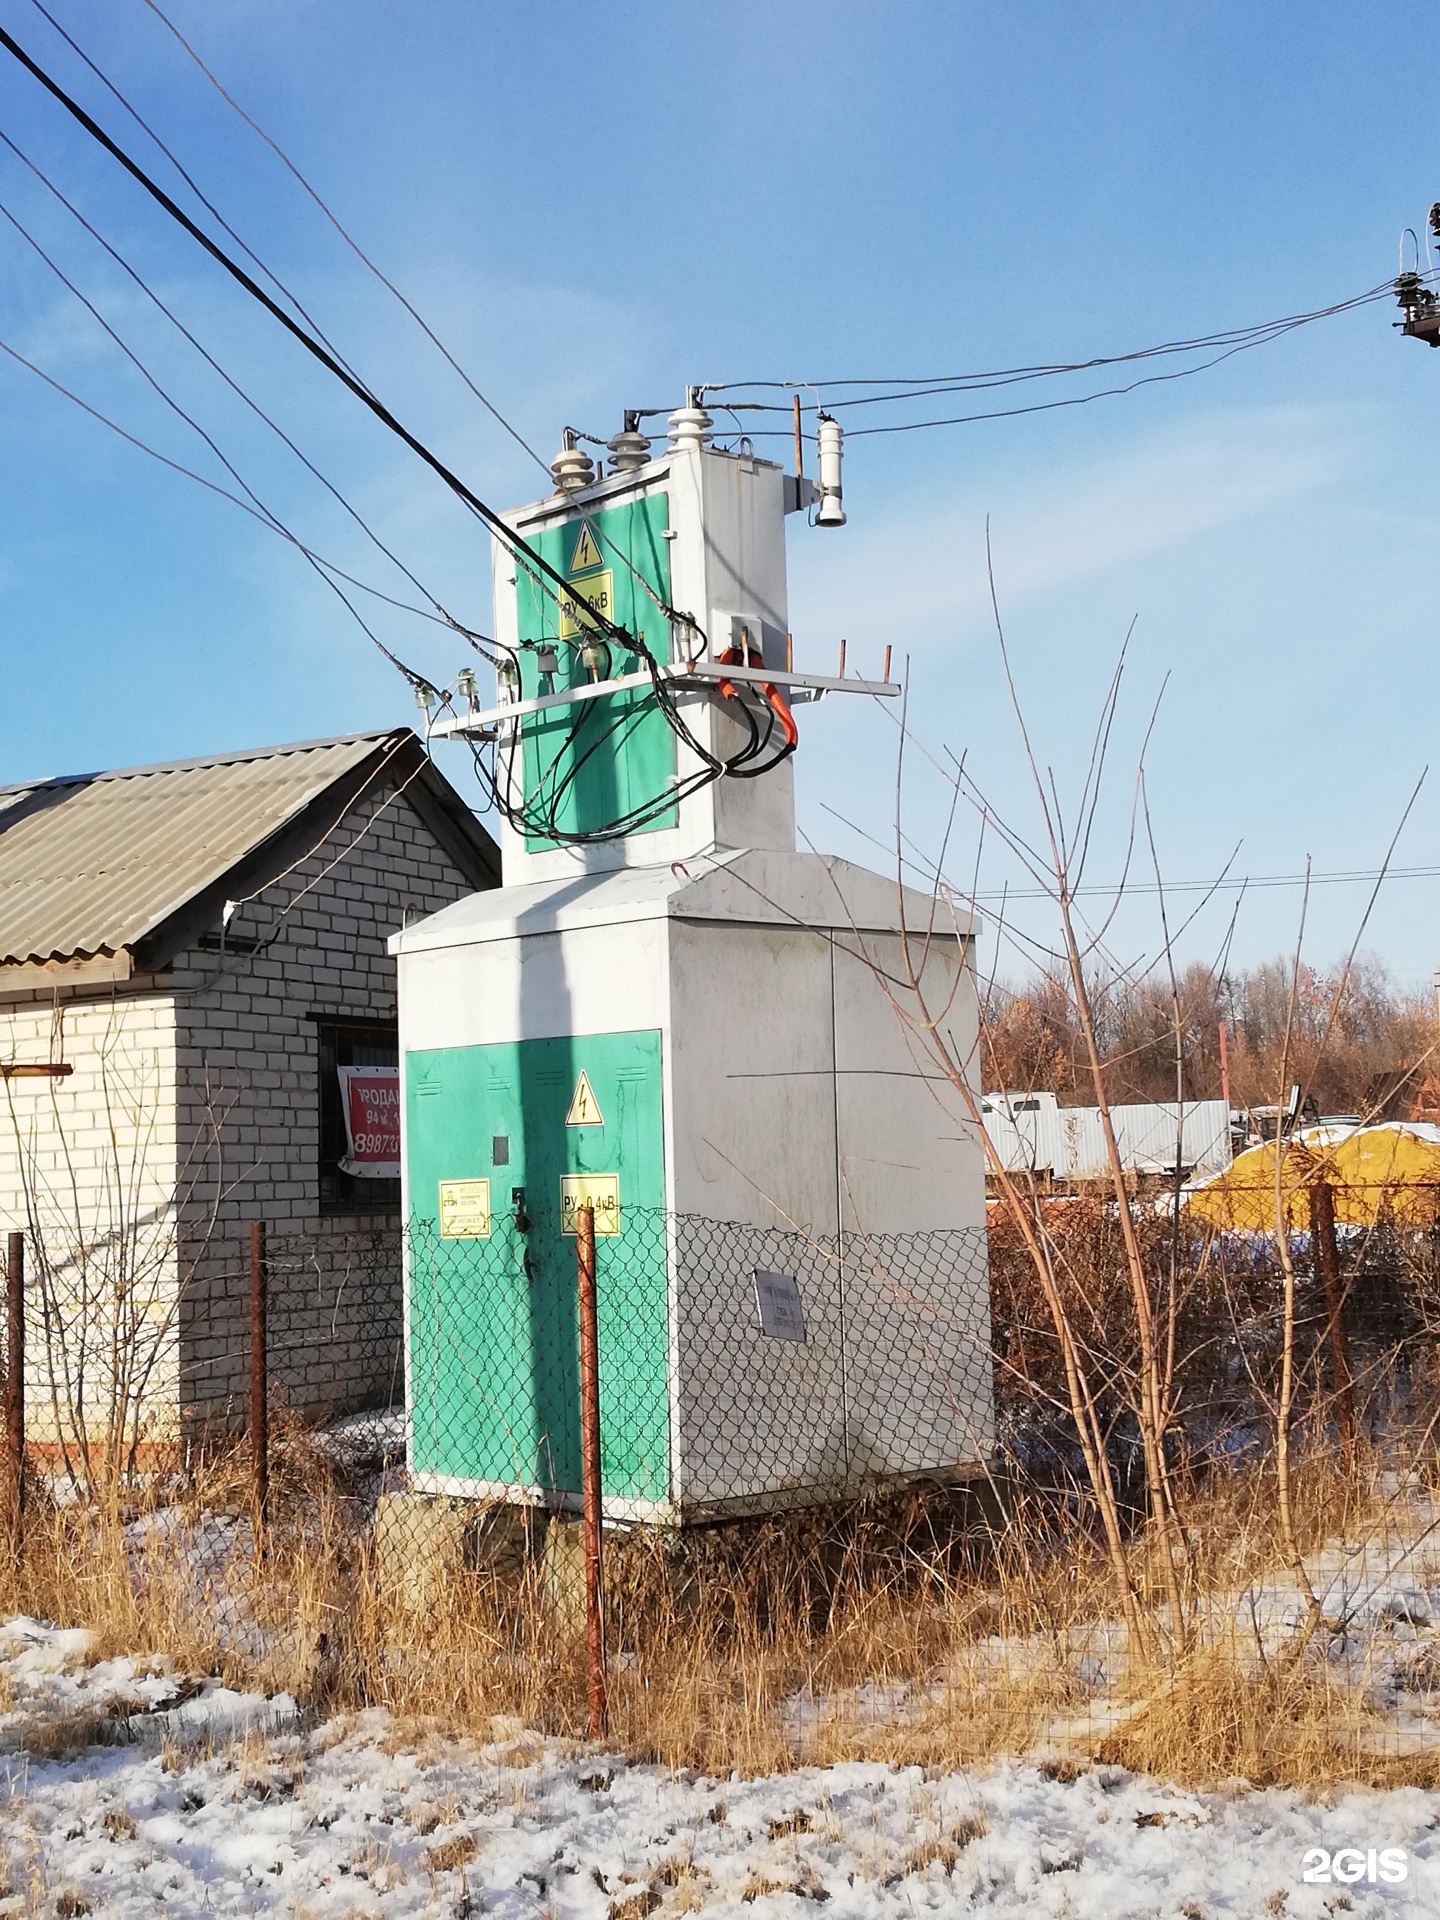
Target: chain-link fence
741,1368
789,1424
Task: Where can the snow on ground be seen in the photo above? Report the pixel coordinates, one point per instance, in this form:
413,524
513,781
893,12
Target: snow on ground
363,1817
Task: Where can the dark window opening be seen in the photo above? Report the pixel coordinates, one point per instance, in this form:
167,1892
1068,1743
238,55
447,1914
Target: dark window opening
351,1043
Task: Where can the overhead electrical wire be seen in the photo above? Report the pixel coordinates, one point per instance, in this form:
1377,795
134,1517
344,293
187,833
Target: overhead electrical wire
441,611
189,180
547,577
211,486
262,512
919,385
1231,341
348,238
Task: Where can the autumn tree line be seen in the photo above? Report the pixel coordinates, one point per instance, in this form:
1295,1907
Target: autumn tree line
1357,1042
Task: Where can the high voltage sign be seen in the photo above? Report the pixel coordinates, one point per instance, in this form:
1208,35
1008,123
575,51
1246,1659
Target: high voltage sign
587,554
596,589
584,1107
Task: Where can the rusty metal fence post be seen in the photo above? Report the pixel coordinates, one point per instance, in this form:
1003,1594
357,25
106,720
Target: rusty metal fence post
590,1469
259,1399
15,1387
1327,1258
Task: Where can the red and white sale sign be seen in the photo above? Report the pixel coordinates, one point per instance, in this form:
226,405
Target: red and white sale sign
370,1097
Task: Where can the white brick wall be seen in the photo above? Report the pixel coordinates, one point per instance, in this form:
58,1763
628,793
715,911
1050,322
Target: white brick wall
89,1172
247,1045
217,1085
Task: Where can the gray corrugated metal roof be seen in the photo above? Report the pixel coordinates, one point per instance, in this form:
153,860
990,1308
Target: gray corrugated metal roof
90,864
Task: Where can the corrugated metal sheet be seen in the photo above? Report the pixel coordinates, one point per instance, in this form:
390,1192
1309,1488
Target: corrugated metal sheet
1069,1143
89,866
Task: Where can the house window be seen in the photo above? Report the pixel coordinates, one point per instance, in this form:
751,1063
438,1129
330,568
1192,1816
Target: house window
351,1043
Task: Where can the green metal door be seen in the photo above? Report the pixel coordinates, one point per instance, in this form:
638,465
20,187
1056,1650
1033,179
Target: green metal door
494,1370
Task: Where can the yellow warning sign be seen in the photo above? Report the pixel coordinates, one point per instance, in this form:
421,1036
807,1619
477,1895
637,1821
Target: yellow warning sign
587,554
584,1107
598,1190
597,590
465,1210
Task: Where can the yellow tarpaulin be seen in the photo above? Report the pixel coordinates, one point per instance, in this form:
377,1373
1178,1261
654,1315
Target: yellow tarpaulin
1386,1172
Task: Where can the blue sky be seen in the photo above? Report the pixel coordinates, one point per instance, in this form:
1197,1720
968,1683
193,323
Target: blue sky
596,205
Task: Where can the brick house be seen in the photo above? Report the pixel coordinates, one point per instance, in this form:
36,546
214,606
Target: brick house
199,949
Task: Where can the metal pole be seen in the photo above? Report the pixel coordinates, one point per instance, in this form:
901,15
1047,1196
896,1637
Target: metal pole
590,1468
1327,1257
15,1381
259,1402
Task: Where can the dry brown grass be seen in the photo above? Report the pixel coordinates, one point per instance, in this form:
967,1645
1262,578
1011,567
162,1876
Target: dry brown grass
819,1638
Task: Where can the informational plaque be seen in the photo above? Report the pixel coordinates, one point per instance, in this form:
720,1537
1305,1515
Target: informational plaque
599,1191
464,1209
777,1296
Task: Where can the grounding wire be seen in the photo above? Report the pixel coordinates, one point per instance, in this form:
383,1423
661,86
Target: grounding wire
442,613
349,240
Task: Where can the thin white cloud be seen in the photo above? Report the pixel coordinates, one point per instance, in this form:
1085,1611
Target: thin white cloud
924,573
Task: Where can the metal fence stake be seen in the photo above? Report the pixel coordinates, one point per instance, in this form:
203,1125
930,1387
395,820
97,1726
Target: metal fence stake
259,1400
15,1384
1327,1251
590,1469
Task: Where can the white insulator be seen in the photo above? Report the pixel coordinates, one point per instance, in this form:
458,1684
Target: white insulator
628,451
830,437
573,469
690,427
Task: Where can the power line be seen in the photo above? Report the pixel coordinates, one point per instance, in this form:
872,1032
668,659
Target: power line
190,182
920,385
270,524
1072,400
314,347
744,765
349,240
1240,883
443,612
1040,406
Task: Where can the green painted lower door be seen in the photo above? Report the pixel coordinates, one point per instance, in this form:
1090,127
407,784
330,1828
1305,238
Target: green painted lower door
501,1142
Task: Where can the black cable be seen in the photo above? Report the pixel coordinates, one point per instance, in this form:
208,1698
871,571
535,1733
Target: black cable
208,205
349,240
1073,400
441,610
1040,406
921,385
714,768
311,345
211,486
262,510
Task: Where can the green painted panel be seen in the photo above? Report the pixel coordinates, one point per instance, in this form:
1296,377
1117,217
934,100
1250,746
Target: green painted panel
494,1372
622,753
